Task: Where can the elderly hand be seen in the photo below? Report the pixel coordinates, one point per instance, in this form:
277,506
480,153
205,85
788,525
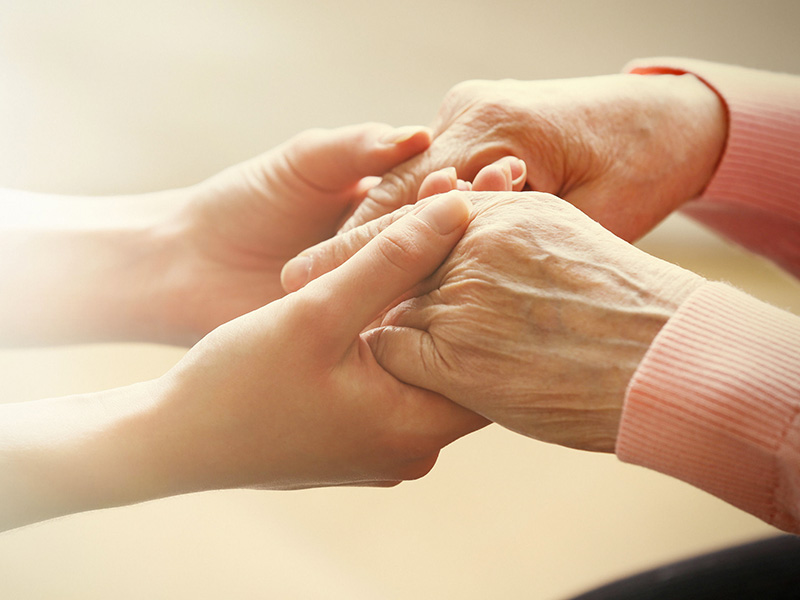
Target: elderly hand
537,320
625,149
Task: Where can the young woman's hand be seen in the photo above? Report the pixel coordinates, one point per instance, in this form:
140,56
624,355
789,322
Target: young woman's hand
286,396
237,229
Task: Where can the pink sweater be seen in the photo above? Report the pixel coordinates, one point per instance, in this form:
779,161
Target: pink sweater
716,400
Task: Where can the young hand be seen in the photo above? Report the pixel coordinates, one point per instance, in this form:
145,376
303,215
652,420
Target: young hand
286,396
236,231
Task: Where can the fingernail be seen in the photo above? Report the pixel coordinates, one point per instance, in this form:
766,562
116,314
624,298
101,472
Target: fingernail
296,273
446,213
518,170
400,135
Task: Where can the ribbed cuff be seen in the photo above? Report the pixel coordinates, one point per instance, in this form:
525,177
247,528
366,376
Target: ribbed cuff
716,403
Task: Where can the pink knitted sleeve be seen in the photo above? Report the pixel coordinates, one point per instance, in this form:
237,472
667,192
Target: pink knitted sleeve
716,400
754,197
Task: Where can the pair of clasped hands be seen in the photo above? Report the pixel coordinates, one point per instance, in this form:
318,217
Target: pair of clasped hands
448,302
468,302
438,279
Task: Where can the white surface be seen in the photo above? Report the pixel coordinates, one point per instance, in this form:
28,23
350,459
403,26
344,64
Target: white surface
123,96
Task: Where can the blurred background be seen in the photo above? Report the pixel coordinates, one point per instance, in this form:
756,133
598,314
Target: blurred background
123,96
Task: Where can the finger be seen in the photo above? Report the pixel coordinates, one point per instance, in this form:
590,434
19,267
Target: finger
438,182
357,195
519,173
495,177
382,484
442,418
332,160
410,355
329,254
391,263
398,187
504,175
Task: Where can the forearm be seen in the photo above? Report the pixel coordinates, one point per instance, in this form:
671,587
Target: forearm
80,453
68,276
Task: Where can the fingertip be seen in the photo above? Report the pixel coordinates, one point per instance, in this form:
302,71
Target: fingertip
464,186
504,175
446,214
438,182
296,273
493,178
519,174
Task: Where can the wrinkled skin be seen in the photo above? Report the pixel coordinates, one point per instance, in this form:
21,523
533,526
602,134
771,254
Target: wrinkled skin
537,320
626,149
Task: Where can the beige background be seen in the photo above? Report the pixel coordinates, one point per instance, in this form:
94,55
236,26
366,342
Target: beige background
132,95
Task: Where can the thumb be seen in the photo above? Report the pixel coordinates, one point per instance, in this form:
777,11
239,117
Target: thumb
336,159
409,355
391,263
329,254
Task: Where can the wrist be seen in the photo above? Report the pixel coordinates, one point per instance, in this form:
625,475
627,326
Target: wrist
68,277
664,287
696,125
159,270
78,453
709,121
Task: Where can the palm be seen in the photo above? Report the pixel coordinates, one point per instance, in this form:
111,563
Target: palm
249,220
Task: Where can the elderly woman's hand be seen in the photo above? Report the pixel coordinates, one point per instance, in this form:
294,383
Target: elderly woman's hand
537,320
625,149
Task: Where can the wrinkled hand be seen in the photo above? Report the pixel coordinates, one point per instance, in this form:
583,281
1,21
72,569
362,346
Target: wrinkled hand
537,320
290,395
239,228
625,149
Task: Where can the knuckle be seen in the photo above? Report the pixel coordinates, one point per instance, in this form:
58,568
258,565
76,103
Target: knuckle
382,199
399,248
466,90
308,137
390,192
331,255
458,100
